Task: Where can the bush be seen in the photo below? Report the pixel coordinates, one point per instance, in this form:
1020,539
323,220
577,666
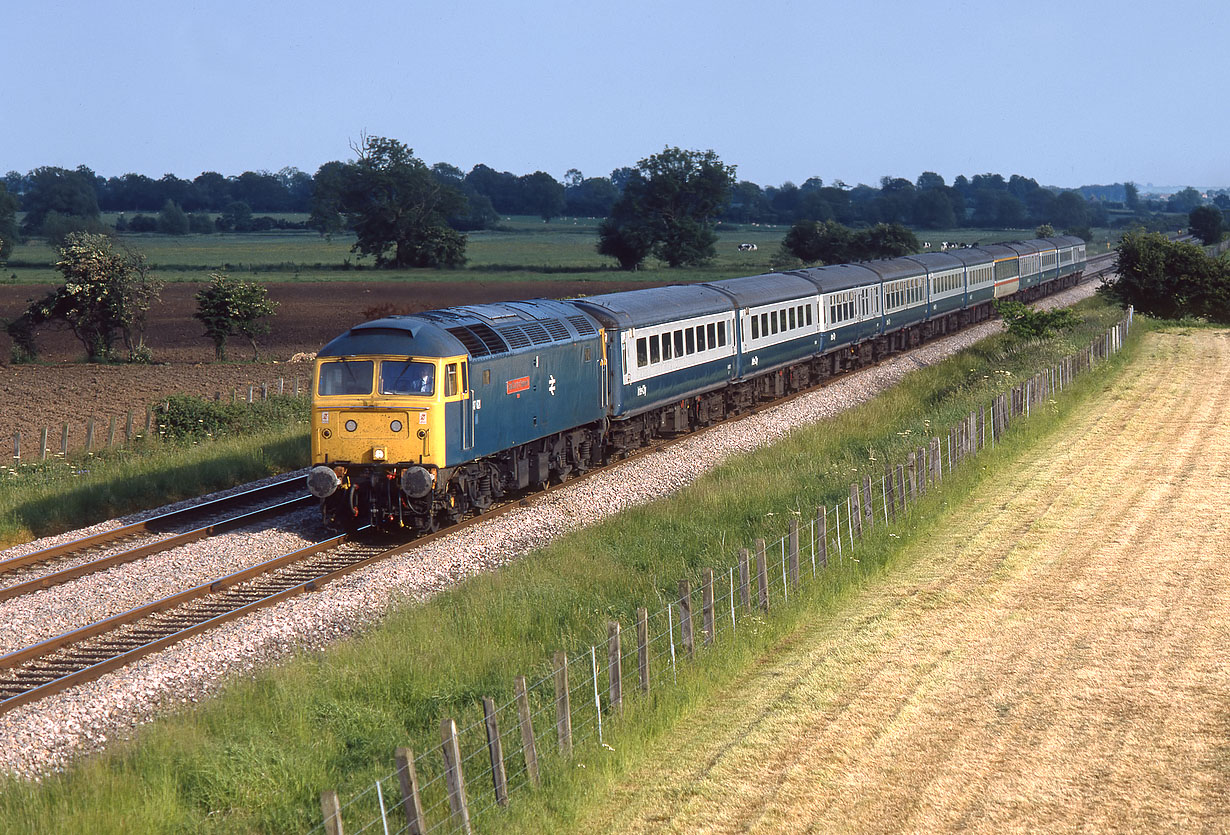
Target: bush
1025,322
183,417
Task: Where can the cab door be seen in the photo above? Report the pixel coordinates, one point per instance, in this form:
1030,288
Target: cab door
457,383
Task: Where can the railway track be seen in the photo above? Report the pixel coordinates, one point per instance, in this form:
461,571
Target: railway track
85,654
37,570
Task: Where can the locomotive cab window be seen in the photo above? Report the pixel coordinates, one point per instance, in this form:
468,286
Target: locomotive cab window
345,377
451,379
407,377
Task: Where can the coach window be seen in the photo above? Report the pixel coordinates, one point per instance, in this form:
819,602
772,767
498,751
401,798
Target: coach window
679,343
642,352
710,330
721,329
700,337
666,346
655,352
792,319
755,327
690,335
781,320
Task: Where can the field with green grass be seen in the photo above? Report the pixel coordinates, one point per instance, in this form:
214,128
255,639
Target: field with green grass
257,758
522,249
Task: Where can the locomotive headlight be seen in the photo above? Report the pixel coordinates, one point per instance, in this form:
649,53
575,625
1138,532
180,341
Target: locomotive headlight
351,426
377,454
395,426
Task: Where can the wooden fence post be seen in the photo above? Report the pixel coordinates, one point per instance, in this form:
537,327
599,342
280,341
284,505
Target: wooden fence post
332,812
856,510
265,391
794,551
17,447
529,745
706,606
499,778
64,441
937,462
685,619
890,494
642,647
615,667
762,575
563,705
822,535
454,777
411,803
745,581
89,435
868,504
43,444
911,465
128,428
111,433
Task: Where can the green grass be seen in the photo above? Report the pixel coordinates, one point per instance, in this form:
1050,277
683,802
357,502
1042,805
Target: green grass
260,439
522,249
257,758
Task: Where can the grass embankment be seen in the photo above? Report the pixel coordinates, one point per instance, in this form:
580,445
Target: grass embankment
199,447
257,758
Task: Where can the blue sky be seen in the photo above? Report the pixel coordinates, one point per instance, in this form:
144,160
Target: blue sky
1068,93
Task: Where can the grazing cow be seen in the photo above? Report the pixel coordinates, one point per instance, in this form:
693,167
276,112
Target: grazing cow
747,247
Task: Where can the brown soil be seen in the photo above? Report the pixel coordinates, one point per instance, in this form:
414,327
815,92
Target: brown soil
1056,658
62,387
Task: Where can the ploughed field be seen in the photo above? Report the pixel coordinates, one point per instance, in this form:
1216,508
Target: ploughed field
62,387
1054,656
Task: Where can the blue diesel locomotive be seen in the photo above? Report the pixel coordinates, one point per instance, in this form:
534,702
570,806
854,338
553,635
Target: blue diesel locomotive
418,420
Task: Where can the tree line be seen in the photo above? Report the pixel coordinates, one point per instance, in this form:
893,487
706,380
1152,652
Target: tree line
635,202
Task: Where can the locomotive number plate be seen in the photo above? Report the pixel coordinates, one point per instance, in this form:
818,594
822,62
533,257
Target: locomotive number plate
519,384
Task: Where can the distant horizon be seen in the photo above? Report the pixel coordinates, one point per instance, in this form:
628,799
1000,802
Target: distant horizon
1147,187
1089,93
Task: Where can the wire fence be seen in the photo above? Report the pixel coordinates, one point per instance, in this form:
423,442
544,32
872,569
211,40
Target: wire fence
492,752
122,429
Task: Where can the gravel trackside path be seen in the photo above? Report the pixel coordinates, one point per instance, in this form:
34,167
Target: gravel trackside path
1059,660
41,737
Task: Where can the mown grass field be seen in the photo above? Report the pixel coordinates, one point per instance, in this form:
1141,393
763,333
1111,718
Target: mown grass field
257,758
1047,654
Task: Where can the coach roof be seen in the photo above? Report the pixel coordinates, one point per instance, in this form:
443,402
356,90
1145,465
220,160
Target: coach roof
639,308
754,290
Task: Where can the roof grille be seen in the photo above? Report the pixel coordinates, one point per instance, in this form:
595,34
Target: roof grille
515,336
479,339
537,333
556,328
582,325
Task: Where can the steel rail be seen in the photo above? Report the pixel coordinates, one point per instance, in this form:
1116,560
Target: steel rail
146,526
63,576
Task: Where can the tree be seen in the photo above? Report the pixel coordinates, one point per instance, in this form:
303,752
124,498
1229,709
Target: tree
1131,196
1169,279
816,242
228,307
1206,223
543,195
10,234
1044,231
675,199
933,209
105,297
397,208
236,217
58,190
1184,201
172,220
